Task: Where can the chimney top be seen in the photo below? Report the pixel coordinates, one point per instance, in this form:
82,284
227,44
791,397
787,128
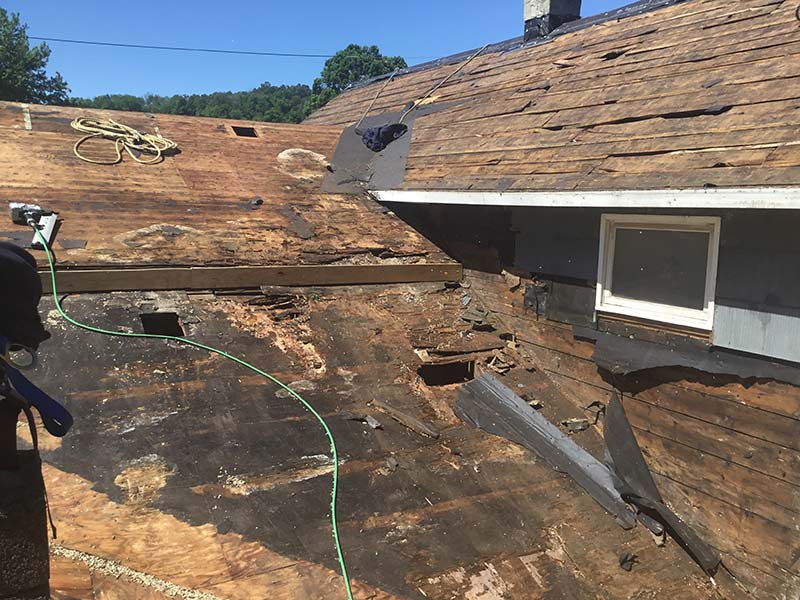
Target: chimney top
543,16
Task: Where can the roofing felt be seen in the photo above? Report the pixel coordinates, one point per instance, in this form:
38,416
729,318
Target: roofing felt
693,94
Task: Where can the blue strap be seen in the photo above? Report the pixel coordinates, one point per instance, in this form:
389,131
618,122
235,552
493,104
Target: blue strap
55,417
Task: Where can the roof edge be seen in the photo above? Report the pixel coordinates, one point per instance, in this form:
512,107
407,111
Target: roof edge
784,198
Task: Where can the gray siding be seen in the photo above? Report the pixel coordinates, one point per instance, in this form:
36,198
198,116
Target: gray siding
758,284
563,242
758,332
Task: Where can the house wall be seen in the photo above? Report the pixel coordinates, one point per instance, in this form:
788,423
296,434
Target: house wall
480,237
758,281
725,451
562,242
758,289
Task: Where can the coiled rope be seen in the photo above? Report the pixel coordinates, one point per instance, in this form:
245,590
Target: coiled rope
133,141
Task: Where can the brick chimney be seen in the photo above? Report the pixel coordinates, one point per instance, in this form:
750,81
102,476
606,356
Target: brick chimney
543,16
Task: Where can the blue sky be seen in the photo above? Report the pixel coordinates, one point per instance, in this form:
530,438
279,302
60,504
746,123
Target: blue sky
415,29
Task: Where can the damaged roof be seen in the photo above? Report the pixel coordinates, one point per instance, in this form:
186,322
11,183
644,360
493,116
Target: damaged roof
222,201
703,93
214,484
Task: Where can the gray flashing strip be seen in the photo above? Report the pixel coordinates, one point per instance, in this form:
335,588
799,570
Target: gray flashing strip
710,198
517,43
489,405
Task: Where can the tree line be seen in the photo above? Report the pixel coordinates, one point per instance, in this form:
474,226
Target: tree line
274,103
23,78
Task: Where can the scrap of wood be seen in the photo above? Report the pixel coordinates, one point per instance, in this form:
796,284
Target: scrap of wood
409,421
428,358
188,278
489,405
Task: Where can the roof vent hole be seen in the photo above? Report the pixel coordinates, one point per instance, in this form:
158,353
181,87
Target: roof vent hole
244,131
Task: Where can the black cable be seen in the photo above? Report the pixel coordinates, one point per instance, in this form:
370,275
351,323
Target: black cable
188,49
180,48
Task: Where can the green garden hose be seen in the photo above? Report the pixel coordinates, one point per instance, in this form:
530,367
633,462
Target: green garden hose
239,361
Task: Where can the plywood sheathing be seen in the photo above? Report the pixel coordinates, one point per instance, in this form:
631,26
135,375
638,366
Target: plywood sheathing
211,480
696,94
223,201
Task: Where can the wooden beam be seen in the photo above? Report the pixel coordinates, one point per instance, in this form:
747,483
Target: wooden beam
203,278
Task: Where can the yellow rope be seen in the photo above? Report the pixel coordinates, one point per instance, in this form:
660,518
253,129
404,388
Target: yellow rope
123,137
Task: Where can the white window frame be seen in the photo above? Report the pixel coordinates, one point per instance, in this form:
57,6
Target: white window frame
606,302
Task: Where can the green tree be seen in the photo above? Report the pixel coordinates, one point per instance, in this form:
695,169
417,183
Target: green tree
23,77
111,102
346,67
278,104
275,103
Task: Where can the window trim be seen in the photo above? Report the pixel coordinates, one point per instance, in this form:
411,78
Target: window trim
606,302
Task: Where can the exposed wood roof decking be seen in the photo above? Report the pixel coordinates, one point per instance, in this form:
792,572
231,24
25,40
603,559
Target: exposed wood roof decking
701,93
192,474
196,209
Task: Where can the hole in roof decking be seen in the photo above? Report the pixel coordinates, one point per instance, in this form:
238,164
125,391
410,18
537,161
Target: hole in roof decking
448,373
249,132
162,323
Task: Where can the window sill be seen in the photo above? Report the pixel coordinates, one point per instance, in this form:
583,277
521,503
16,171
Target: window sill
669,315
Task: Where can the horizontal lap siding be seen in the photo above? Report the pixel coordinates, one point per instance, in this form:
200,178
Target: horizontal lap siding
758,281
725,455
758,289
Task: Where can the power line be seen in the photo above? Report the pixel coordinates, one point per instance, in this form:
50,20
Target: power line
187,49
181,49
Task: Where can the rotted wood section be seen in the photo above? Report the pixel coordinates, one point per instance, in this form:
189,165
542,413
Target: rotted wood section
185,476
725,452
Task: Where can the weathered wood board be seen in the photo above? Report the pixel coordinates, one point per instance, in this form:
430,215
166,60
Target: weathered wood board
218,278
724,451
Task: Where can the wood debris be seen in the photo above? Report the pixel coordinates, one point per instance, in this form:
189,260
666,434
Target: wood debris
409,421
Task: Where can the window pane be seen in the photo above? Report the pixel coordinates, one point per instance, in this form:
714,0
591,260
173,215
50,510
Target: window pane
666,267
